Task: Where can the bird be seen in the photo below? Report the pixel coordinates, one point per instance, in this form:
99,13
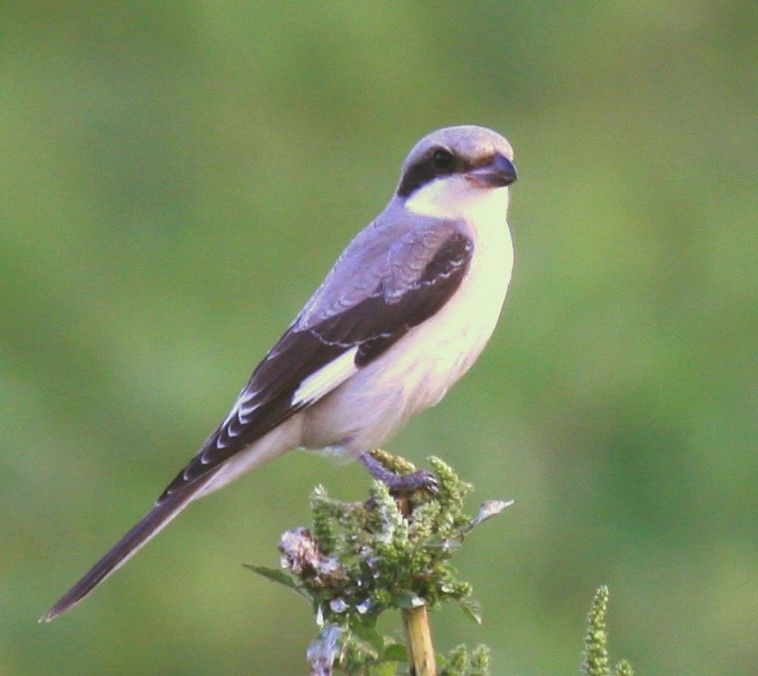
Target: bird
404,312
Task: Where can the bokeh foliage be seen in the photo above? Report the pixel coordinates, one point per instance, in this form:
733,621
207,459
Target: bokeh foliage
177,177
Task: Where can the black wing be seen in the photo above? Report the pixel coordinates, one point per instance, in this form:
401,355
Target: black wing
371,325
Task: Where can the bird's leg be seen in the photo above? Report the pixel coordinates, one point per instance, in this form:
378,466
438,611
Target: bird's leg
402,478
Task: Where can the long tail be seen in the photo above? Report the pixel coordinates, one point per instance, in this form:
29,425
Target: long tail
148,527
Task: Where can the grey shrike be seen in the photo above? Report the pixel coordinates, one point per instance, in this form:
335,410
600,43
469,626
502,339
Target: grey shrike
403,314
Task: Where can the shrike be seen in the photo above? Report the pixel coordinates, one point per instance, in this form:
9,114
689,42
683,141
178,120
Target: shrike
403,314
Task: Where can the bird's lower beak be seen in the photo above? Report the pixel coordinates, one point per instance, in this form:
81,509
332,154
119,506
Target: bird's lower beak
496,173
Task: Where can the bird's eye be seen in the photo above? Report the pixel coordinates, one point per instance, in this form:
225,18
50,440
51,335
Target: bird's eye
443,160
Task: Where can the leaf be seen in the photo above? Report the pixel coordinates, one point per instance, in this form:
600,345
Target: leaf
408,600
369,635
275,575
383,669
488,509
472,609
395,652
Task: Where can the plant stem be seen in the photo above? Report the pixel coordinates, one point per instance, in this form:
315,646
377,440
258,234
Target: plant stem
418,636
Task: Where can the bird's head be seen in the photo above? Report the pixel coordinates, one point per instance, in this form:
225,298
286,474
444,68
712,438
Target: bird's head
454,167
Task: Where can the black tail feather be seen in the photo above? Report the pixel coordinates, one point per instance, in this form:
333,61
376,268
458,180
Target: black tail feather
158,517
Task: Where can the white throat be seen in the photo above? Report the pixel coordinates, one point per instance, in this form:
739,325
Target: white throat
455,197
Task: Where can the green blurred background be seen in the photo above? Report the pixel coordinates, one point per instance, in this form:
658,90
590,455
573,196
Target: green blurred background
177,177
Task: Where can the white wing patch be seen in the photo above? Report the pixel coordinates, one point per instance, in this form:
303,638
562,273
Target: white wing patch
246,405
326,378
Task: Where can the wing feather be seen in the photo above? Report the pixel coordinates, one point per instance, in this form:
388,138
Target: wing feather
351,322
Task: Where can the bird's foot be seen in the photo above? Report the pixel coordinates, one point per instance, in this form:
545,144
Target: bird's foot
401,476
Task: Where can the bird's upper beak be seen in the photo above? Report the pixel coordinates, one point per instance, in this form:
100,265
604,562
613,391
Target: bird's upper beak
497,172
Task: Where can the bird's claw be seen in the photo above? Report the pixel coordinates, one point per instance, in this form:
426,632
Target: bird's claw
409,483
400,483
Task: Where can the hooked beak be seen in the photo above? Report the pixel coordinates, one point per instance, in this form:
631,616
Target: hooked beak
498,172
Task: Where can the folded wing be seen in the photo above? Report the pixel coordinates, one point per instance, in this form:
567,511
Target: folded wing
350,322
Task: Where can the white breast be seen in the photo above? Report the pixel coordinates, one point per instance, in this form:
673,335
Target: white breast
418,370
